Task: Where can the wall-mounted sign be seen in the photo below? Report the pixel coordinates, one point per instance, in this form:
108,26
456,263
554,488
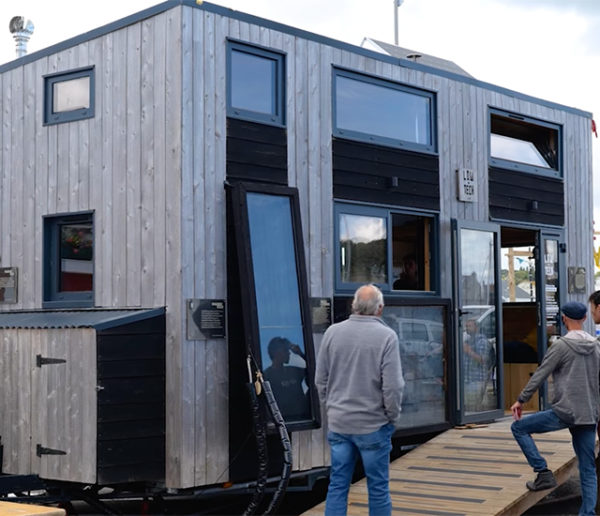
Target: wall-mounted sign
8,285
205,319
577,280
321,313
467,185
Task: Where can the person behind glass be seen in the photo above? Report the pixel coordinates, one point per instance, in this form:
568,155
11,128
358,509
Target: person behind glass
574,362
409,277
360,383
286,380
476,360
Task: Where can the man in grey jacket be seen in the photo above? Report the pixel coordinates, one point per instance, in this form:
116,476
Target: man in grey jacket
574,362
359,379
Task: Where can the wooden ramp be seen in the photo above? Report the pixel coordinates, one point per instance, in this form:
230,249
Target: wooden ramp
476,471
23,509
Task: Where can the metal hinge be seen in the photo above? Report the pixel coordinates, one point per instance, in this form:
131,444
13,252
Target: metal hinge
41,450
40,360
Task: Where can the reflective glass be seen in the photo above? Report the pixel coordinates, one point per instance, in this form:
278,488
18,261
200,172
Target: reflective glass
552,290
522,151
363,249
378,110
478,321
71,95
411,267
422,336
76,258
278,302
253,82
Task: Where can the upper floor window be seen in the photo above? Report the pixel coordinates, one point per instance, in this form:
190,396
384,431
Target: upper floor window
387,247
385,112
255,84
69,96
522,143
69,260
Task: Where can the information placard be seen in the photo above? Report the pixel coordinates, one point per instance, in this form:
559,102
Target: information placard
321,313
206,319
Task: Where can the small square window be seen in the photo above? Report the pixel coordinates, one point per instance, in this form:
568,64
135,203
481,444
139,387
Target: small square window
69,260
69,96
255,85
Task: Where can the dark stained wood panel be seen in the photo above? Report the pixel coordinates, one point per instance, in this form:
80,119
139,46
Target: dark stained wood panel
372,173
256,152
526,197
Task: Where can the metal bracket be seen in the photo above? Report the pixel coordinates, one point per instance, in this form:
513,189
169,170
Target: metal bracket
41,450
40,360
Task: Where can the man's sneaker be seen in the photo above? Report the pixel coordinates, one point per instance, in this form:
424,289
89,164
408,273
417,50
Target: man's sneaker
544,480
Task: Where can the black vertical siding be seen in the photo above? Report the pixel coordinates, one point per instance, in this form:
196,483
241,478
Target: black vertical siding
372,173
131,402
256,152
526,197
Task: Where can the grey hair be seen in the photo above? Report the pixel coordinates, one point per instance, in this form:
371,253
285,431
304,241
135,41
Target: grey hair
368,299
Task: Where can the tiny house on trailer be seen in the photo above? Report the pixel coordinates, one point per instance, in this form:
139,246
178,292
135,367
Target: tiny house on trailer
224,183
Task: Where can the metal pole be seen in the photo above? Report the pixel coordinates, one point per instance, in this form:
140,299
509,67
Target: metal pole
396,22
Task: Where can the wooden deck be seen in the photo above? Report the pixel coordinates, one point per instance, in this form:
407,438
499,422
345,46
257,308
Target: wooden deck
23,509
476,471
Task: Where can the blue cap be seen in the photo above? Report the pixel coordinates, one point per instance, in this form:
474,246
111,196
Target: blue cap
574,310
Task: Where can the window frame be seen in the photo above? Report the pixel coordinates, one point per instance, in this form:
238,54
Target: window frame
276,119
431,148
51,117
519,166
52,297
387,213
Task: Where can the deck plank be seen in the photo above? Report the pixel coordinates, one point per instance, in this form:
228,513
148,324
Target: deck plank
467,472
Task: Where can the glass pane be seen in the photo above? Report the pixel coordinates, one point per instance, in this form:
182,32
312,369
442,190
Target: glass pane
478,321
552,292
505,147
76,258
363,249
71,95
422,336
278,302
518,274
411,267
382,111
253,82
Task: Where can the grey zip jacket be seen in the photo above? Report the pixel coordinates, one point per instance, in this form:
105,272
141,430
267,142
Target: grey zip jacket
574,362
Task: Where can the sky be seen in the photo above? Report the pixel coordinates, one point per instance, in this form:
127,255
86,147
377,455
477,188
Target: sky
549,49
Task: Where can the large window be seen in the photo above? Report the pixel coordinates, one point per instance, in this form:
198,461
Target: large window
69,260
255,84
523,143
371,109
69,96
390,248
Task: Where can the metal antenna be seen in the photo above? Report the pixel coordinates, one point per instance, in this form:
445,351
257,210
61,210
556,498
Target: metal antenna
397,4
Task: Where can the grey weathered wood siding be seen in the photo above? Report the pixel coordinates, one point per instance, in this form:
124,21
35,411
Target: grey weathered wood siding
151,164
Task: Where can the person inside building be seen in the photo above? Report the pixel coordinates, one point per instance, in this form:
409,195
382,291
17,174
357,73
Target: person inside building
478,362
409,277
574,363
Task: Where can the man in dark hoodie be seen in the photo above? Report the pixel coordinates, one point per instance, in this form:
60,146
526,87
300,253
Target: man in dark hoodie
574,362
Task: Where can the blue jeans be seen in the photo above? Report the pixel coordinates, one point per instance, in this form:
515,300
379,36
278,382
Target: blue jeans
584,441
374,450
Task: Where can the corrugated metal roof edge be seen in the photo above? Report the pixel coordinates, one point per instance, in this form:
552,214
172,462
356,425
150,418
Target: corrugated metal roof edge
42,319
249,18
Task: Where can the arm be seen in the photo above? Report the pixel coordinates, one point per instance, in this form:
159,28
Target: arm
392,381
322,370
549,364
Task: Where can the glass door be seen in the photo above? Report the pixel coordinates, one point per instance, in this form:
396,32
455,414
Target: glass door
478,341
550,293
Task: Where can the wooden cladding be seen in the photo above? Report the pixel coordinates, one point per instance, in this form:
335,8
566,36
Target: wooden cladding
256,152
526,197
371,173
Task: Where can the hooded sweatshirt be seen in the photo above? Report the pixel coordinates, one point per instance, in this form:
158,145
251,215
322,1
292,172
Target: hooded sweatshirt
574,362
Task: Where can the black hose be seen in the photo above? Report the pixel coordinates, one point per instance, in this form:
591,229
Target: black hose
260,430
286,445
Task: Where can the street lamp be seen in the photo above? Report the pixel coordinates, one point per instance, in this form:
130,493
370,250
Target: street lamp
397,3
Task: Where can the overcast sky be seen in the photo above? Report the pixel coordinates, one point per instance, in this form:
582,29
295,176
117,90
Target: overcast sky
546,48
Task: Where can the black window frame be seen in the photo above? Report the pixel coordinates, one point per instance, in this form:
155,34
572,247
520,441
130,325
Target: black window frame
430,148
239,205
50,116
526,167
276,119
387,213
52,297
